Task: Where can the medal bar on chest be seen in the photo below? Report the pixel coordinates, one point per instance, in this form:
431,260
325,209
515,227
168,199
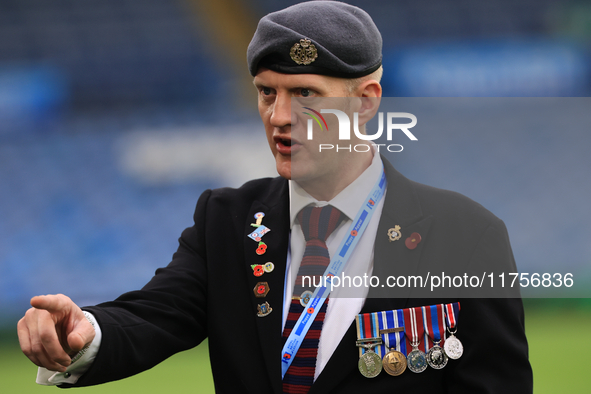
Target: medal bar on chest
370,363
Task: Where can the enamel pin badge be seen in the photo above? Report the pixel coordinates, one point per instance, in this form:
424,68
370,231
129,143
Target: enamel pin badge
394,233
260,269
261,289
413,241
264,309
258,234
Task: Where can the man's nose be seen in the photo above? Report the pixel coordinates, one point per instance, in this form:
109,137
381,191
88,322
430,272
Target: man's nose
281,115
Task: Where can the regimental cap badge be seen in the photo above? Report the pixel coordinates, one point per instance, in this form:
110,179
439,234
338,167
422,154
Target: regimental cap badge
303,52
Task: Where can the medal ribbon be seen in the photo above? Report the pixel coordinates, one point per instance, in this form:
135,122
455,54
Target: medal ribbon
452,312
368,327
336,266
388,320
434,319
400,342
415,330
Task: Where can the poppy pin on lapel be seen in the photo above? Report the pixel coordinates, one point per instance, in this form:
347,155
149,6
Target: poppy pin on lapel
261,289
260,269
412,241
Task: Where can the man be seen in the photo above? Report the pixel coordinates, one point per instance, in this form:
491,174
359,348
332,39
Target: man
215,286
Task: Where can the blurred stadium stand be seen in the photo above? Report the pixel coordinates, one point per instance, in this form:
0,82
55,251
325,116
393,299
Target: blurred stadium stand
114,52
78,79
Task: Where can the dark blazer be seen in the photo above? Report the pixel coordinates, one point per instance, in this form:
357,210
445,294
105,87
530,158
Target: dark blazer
207,291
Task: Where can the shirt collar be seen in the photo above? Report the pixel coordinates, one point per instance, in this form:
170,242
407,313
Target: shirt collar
347,201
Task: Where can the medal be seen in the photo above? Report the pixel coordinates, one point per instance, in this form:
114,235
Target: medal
370,363
452,345
392,332
394,363
434,319
436,357
416,359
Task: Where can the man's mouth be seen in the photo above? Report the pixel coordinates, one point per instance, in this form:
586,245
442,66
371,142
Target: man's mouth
286,145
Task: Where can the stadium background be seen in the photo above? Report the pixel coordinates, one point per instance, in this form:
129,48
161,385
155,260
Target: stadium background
116,114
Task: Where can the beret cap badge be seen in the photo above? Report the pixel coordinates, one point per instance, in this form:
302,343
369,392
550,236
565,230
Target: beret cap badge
303,52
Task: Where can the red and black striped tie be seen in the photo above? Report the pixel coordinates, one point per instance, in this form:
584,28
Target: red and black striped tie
317,224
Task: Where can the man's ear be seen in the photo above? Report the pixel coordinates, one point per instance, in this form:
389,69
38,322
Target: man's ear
370,95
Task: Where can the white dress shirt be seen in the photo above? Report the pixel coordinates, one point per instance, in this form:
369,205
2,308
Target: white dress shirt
343,305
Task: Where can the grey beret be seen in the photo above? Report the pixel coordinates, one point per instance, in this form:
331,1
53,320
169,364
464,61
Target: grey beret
317,37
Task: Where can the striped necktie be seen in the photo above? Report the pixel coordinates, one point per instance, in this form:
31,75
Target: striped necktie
317,224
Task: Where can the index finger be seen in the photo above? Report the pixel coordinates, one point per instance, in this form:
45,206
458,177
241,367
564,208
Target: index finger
51,303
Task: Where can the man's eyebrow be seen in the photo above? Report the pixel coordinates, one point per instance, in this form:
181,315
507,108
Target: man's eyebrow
307,87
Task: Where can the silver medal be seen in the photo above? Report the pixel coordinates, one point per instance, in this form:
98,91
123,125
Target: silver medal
416,360
436,357
453,347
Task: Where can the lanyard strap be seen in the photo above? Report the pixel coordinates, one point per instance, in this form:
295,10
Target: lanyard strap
336,266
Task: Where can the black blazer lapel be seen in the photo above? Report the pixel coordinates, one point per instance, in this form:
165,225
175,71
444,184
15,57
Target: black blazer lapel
394,258
276,210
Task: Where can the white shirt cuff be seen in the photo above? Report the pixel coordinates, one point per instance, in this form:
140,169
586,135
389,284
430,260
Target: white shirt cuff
81,362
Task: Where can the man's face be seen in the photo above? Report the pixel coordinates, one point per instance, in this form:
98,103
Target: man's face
296,157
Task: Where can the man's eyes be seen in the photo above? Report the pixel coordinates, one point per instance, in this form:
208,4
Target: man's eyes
303,92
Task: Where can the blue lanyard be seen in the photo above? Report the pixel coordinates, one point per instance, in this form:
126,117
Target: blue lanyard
336,266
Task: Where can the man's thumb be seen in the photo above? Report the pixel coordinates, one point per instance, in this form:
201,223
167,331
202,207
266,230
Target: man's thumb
82,335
